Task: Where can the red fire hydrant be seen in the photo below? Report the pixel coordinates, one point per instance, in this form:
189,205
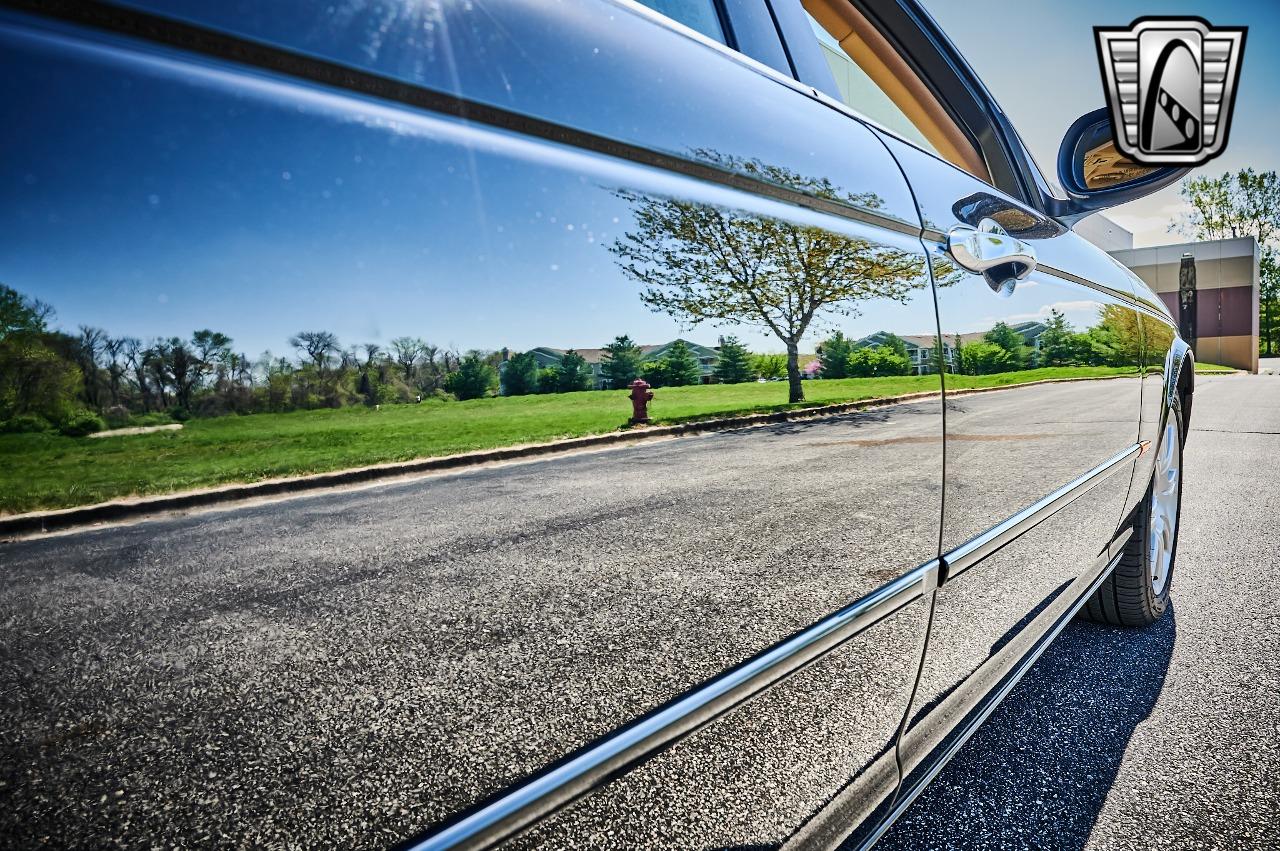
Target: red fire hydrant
641,396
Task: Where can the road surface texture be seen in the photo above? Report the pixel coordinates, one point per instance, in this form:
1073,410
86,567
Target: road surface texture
271,674
1167,737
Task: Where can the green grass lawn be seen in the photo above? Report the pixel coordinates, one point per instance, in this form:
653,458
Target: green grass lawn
52,471
1210,368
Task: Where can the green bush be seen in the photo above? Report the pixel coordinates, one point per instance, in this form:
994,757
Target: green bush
152,418
81,423
474,378
875,362
25,424
117,416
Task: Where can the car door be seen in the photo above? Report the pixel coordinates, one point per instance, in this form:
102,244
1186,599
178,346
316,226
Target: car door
1038,472
1043,391
456,658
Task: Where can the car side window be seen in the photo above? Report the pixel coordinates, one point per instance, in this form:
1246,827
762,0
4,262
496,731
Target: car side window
700,15
876,82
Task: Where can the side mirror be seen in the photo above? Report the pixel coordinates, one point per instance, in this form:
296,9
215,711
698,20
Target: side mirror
1096,176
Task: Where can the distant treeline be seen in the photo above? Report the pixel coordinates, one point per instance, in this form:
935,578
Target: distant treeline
84,382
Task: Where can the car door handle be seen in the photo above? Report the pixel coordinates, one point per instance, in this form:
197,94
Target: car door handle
989,250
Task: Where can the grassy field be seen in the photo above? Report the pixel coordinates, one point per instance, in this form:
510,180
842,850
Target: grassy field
51,471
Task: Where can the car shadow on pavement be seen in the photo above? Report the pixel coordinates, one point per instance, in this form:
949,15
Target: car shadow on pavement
1036,774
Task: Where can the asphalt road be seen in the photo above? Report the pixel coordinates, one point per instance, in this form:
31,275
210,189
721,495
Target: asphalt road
268,675
347,668
1164,738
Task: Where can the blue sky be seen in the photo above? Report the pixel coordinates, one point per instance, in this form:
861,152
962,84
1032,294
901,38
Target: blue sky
152,197
1039,60
260,213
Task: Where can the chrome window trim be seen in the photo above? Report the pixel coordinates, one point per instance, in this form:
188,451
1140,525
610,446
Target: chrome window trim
997,696
974,550
790,82
638,8
622,750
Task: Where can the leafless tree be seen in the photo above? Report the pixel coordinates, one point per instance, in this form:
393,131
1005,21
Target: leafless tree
318,346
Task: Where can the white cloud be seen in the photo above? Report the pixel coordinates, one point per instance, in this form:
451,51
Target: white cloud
1072,309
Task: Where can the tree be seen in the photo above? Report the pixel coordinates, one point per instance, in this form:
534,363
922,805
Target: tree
1012,342
621,363
520,377
1269,299
985,358
1056,348
834,353
474,378
573,373
318,346
183,371
113,350
655,372
21,313
702,263
734,364
1244,203
1115,341
88,348
407,351
35,378
212,351
135,357
771,366
875,362
957,354
676,368
895,344
548,380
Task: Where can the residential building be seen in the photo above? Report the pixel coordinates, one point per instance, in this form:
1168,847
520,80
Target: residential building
922,348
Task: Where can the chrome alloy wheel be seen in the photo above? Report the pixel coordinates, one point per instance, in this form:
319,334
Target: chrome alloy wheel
1162,529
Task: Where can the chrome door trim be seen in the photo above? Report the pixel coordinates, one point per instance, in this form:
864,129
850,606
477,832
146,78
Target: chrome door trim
936,239
995,697
246,52
624,749
977,548
1128,298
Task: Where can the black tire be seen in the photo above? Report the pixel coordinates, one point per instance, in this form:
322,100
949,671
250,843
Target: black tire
1127,597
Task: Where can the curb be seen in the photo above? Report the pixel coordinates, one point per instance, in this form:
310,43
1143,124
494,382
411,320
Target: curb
46,521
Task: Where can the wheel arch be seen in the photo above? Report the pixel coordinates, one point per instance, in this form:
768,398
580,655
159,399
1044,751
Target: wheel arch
1180,380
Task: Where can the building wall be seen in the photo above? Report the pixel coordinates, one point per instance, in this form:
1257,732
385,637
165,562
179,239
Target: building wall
1104,233
1227,294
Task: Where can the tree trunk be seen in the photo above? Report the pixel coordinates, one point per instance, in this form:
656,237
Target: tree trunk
793,372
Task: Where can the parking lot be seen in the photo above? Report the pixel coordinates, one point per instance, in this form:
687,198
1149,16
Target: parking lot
1164,738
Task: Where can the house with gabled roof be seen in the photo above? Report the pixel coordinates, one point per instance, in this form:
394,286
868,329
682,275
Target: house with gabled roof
921,347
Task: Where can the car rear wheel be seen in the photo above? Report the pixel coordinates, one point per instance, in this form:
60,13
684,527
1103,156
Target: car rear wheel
1137,591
